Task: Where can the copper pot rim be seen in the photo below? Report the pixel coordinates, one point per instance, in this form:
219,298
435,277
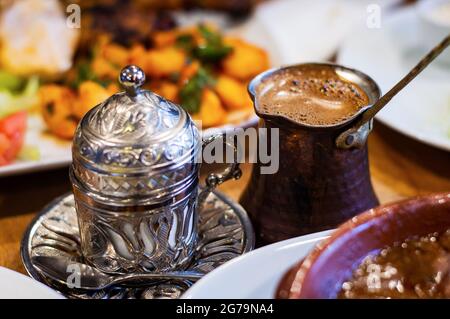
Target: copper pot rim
373,96
383,211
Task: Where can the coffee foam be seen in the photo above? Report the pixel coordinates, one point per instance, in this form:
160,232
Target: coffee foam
311,94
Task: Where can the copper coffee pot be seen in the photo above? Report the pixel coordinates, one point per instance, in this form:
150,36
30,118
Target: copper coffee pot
323,177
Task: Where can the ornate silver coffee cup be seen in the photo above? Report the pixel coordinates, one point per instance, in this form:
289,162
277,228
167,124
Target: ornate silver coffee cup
135,176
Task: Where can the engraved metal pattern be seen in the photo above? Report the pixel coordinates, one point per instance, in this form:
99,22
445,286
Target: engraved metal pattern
135,175
158,183
132,133
161,239
134,144
137,238
224,232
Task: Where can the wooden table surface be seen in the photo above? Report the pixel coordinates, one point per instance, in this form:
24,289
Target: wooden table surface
400,168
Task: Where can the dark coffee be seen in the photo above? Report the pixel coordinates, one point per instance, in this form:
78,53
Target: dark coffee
310,94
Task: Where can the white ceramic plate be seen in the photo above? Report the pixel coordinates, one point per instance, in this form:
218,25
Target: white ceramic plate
422,109
17,286
256,274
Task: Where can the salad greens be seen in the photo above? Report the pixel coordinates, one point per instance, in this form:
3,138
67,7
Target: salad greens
29,153
10,82
17,94
191,92
211,51
84,73
214,50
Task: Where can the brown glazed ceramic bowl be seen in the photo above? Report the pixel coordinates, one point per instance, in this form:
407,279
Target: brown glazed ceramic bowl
322,273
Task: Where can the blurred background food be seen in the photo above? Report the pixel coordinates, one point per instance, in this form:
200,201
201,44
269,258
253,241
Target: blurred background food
201,54
41,43
57,72
235,7
197,67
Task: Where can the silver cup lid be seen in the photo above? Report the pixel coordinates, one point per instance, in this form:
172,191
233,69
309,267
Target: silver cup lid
134,143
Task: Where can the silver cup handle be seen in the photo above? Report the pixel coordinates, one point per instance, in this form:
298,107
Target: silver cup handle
232,171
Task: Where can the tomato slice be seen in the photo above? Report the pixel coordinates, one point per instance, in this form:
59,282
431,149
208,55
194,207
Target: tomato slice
12,135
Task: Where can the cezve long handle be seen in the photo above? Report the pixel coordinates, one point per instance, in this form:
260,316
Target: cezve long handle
350,138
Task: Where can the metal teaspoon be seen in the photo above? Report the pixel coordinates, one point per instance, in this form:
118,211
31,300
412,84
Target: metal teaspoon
351,138
90,278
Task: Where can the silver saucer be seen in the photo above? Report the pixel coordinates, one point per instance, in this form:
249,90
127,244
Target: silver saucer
224,228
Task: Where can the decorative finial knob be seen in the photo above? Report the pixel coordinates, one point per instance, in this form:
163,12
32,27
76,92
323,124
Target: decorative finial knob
132,78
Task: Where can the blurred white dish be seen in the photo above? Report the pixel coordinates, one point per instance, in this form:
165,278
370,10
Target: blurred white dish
18,286
296,31
256,274
422,109
434,22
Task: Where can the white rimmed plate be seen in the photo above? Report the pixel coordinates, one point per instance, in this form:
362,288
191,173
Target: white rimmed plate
17,286
256,274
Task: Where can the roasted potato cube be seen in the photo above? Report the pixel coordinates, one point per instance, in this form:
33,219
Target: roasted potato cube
89,95
56,107
103,68
112,88
164,38
115,54
165,61
166,89
169,38
232,93
211,111
188,71
245,61
55,100
138,56
65,127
